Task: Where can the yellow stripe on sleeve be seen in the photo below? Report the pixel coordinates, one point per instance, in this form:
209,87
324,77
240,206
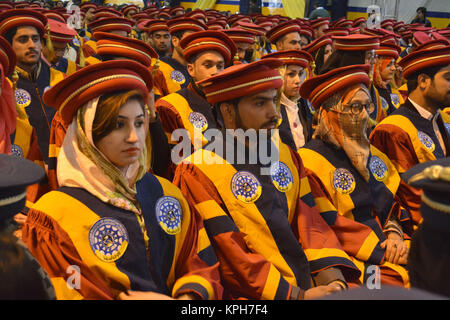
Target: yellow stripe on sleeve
316,254
367,247
53,151
76,219
271,285
423,154
193,279
392,181
62,290
324,170
209,209
324,205
203,240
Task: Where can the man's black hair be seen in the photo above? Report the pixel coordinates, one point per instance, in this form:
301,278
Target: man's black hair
412,82
423,10
12,32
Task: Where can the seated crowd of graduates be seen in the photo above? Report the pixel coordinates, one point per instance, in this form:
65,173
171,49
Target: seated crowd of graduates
97,108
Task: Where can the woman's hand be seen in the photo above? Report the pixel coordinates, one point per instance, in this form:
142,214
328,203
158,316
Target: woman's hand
321,291
142,295
396,249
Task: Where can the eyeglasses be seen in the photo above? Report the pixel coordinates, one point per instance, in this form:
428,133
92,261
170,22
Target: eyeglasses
356,107
62,50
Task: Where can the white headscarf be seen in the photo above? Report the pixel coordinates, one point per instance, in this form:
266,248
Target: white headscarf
82,165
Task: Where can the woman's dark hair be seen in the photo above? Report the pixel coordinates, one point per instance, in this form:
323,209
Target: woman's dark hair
319,58
108,111
339,59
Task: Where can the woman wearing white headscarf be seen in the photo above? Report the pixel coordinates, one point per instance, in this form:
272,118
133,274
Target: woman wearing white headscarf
111,227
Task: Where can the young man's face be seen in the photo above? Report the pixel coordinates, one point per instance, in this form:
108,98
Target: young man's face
305,41
59,49
27,46
161,41
291,41
257,111
206,64
420,14
242,49
320,31
176,42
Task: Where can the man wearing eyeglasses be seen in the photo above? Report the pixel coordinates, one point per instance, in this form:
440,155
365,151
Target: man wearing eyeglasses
360,181
56,45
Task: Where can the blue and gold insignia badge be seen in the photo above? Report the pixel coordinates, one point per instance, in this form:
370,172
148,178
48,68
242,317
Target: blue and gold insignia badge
198,120
177,76
76,42
343,181
168,214
16,150
447,127
245,187
378,168
281,176
22,97
108,239
384,103
395,99
426,140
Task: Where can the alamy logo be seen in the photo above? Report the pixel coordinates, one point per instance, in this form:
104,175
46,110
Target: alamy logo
230,146
74,279
74,21
374,278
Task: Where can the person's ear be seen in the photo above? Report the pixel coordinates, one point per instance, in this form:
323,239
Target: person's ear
228,112
423,81
190,69
175,41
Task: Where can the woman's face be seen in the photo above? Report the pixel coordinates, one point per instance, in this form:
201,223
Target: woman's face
124,144
293,78
388,73
327,52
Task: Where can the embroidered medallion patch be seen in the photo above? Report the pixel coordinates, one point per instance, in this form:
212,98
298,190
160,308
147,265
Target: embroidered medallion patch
16,150
395,99
177,76
23,98
426,140
281,176
108,239
198,120
245,187
378,168
343,181
168,214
